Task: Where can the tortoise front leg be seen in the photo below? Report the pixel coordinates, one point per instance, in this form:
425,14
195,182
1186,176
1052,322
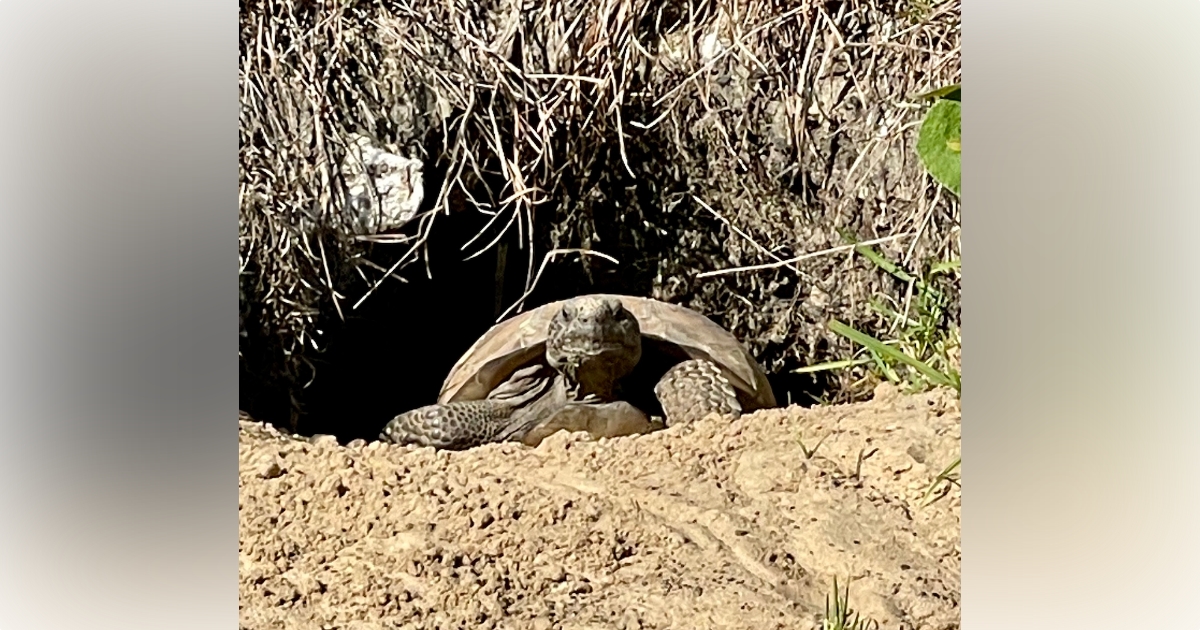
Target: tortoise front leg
456,425
694,389
466,423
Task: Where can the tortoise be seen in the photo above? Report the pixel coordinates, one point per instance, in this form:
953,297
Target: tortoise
610,365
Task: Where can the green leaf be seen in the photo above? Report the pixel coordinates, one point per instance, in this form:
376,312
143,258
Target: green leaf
940,143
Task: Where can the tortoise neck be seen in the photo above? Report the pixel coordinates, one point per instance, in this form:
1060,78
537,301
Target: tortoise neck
596,387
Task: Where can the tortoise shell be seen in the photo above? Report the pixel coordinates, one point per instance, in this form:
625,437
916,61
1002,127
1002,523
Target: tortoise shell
670,334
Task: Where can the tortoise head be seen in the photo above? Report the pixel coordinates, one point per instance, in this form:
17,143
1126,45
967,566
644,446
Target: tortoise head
593,341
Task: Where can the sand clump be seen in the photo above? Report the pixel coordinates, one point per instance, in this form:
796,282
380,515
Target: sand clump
713,525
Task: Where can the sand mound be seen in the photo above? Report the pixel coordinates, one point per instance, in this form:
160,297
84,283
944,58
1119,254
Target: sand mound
715,525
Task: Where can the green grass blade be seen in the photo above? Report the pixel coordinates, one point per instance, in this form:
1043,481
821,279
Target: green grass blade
945,266
951,92
868,252
884,350
945,475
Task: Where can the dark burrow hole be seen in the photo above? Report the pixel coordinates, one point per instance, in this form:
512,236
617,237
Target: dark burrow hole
393,353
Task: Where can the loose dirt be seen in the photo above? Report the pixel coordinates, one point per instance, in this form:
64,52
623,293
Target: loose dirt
713,525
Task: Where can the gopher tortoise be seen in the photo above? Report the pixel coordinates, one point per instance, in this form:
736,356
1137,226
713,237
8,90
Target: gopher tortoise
610,365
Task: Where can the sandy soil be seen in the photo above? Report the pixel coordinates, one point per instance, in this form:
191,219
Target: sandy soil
715,525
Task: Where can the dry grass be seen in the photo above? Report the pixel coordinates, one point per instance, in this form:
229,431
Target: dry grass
681,138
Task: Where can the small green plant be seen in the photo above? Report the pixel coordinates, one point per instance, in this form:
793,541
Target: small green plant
885,356
939,143
925,340
839,616
808,453
920,10
948,476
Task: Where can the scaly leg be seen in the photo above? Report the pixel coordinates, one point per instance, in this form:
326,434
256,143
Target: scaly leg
455,426
694,389
466,423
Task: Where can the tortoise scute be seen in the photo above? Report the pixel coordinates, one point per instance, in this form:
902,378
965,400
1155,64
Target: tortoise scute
520,340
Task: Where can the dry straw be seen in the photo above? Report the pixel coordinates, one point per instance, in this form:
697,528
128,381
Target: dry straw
752,130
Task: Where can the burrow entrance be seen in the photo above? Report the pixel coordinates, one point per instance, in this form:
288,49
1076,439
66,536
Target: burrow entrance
393,353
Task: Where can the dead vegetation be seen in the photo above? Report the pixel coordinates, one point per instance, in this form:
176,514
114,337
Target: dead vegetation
725,152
